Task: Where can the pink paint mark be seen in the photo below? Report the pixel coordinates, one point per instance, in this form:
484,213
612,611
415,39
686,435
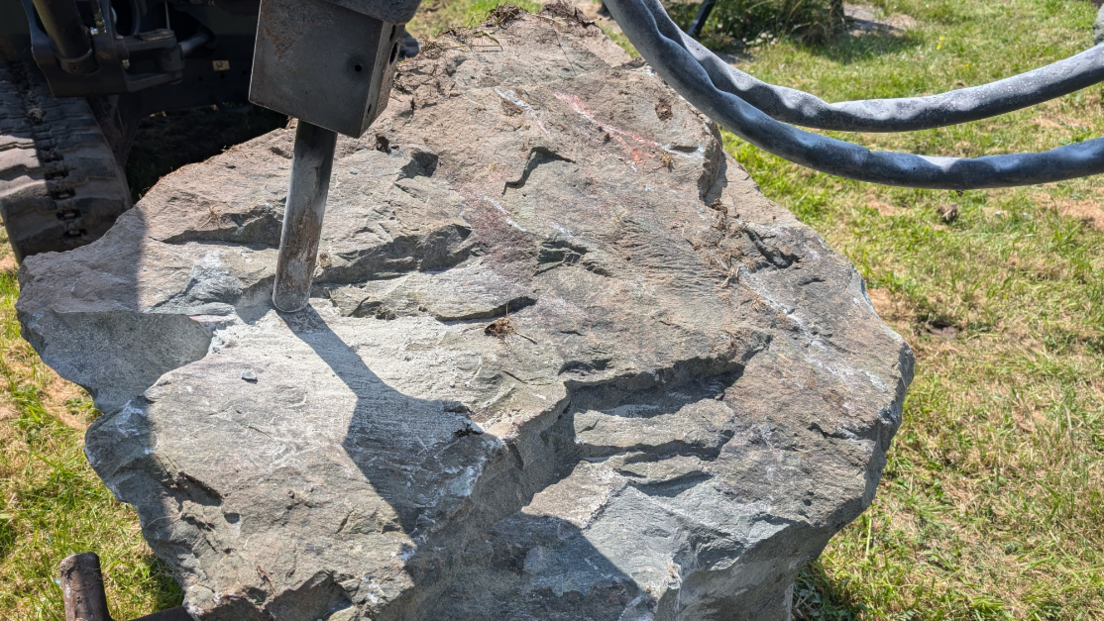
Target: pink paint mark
615,133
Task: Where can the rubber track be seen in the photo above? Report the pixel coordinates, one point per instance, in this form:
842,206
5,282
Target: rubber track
60,186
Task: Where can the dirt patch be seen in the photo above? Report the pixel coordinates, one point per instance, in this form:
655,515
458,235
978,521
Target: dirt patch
7,264
1045,123
865,19
891,309
7,412
884,209
504,14
897,313
596,12
881,300
1051,116
1088,212
57,396
663,109
168,140
944,332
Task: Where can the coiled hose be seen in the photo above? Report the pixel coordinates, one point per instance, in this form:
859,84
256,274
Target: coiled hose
733,99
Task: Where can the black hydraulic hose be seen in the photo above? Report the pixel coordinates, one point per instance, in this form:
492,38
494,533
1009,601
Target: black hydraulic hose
660,42
67,32
135,18
907,113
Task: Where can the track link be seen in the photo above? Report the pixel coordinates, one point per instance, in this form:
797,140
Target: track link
60,186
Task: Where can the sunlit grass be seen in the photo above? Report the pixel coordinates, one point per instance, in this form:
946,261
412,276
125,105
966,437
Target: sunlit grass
992,504
437,16
51,502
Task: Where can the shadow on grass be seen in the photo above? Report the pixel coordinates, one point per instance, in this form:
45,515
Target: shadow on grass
163,588
852,47
817,598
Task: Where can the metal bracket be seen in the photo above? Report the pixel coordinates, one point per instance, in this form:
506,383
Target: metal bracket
114,54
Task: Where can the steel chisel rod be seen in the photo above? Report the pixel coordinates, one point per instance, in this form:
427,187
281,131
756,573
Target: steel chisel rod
311,165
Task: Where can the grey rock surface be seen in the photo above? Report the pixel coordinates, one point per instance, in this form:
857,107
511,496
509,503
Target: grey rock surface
563,360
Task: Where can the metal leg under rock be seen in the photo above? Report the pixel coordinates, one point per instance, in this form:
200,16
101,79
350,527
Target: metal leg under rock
82,587
311,165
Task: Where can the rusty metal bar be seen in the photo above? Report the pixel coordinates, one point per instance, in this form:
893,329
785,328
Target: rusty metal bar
82,587
311,165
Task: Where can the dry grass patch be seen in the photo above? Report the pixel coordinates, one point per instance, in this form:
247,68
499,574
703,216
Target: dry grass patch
1087,211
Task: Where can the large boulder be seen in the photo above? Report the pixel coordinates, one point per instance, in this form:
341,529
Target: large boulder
563,360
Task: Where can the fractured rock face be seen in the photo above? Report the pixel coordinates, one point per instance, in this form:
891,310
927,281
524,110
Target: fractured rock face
563,360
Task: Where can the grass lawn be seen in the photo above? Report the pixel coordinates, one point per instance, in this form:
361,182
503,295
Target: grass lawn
51,502
992,504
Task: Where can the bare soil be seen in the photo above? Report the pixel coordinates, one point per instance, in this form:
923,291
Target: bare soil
168,140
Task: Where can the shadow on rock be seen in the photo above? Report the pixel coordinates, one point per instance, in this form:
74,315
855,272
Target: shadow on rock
430,480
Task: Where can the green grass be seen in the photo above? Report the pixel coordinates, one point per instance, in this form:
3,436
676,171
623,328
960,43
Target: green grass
437,16
51,502
992,503
733,22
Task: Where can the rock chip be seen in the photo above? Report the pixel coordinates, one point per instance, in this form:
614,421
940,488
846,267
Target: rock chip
563,360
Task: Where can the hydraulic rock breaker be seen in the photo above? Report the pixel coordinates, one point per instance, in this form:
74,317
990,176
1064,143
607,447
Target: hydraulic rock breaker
329,64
